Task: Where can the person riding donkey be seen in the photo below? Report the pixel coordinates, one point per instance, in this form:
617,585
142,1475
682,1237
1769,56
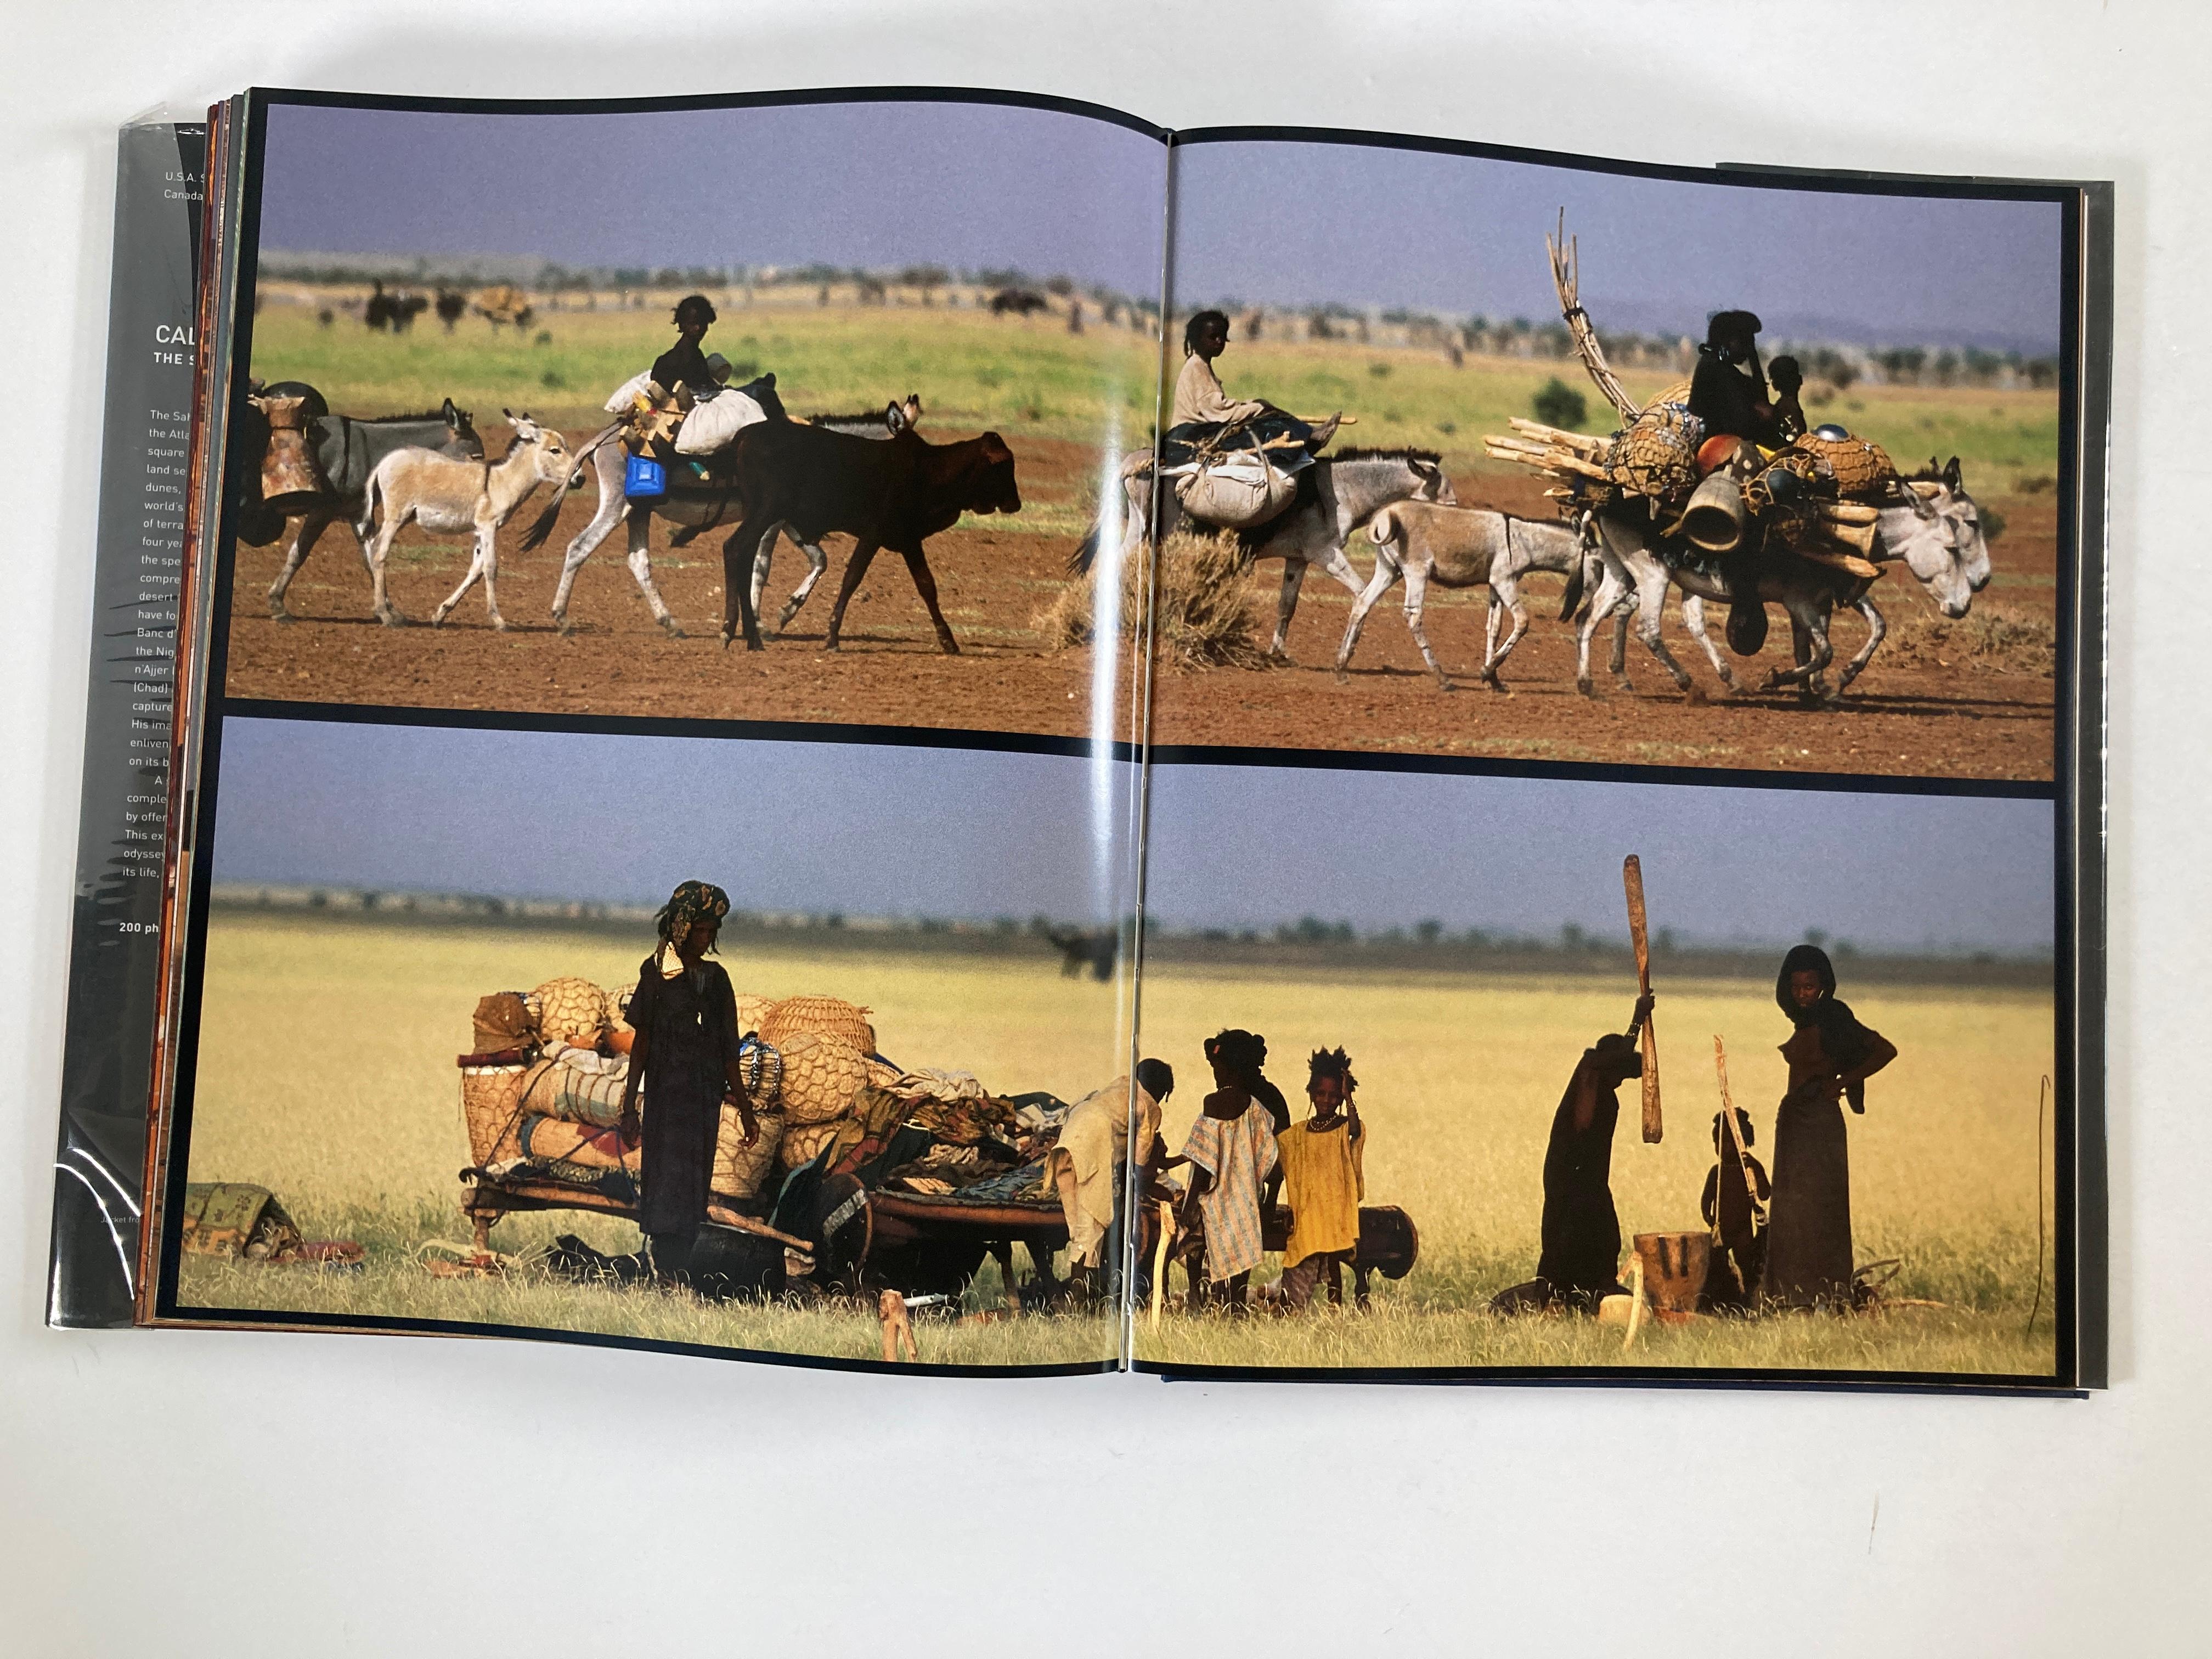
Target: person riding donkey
1237,462
1730,397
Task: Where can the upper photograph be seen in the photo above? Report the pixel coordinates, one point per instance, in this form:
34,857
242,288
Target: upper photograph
787,412
1723,471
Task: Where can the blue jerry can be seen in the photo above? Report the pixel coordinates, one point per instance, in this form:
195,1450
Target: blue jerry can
644,479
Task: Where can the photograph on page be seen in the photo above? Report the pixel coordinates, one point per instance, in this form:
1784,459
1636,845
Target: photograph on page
1551,1075
792,411
785,1048
1738,473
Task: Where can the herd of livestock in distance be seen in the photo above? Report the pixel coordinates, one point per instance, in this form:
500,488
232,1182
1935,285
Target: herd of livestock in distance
874,478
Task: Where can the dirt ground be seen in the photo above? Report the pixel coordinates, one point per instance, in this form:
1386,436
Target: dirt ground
1939,702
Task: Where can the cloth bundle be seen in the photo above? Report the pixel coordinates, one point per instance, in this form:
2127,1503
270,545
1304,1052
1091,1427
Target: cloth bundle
715,422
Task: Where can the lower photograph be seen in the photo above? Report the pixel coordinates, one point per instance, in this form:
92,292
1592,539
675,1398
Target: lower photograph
1532,1076
759,1048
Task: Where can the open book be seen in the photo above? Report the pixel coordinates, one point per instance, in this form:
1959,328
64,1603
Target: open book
908,727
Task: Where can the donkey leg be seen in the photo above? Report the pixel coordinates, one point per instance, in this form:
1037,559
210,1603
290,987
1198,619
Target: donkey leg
1506,592
917,564
476,573
1417,587
310,526
1877,630
1693,621
640,570
488,557
817,562
1650,610
613,509
1386,573
855,569
380,546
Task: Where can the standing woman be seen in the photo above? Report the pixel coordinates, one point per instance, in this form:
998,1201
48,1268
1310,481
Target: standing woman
685,1057
1831,1055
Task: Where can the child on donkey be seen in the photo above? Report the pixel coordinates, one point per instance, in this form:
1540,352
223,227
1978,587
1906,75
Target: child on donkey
1231,1153
1737,1212
1324,1177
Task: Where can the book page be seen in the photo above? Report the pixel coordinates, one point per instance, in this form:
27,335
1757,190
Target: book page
1490,472
663,771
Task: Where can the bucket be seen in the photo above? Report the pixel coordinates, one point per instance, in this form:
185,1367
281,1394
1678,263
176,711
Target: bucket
1675,1266
644,479
1715,519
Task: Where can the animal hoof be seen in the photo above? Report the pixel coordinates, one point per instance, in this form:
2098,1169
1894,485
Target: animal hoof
566,628
673,628
1445,682
1694,695
1342,677
279,614
394,619
952,649
499,624
1586,688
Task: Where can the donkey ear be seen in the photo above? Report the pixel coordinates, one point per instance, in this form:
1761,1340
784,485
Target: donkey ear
510,414
1951,472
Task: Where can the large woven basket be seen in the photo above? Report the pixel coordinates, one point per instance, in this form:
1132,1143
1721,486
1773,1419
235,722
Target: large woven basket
827,1017
1862,468
752,1011
491,1097
1657,455
1677,393
740,1170
802,1143
823,1077
571,1011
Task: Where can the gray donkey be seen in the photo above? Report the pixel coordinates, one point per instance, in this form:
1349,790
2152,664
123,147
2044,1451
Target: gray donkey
1336,494
349,451
1422,542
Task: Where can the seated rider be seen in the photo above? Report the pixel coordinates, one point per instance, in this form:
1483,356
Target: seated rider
1789,413
1202,407
1729,396
683,364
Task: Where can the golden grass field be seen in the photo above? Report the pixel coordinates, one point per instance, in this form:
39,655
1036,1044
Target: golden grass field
326,1074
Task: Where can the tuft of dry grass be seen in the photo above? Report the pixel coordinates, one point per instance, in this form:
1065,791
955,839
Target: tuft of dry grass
1991,639
1202,616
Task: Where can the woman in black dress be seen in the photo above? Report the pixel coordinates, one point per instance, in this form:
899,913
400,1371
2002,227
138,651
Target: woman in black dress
1831,1055
684,1057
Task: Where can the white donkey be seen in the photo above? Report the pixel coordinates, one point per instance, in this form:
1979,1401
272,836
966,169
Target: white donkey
451,497
1927,524
1422,543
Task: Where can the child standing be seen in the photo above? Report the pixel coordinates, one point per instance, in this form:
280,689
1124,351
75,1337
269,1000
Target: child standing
1232,1151
1734,1203
1324,1178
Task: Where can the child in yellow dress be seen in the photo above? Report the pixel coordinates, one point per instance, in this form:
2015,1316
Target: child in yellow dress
1324,1179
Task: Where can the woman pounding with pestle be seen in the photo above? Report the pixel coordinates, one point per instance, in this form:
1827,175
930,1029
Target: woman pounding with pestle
685,1058
1831,1055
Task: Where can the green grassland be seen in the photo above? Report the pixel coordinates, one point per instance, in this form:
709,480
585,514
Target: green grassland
1033,376
327,1073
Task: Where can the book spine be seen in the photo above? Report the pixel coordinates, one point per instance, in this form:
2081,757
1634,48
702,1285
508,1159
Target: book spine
139,562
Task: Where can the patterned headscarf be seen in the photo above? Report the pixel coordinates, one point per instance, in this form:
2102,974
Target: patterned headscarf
692,901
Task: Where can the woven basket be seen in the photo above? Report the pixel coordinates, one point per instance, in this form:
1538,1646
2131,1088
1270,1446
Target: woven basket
821,1016
571,1011
489,1097
740,1170
751,1011
1657,455
1677,393
556,1139
803,1142
823,1076
1861,468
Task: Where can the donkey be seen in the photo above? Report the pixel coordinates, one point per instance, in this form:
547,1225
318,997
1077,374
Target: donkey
1913,528
1336,495
349,450
1471,547
449,497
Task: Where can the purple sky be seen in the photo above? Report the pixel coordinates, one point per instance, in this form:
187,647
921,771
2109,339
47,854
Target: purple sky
965,185
788,826
1302,223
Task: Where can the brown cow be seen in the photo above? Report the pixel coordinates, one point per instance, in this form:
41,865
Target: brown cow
893,493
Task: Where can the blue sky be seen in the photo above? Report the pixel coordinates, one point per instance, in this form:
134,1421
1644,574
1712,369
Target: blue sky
882,831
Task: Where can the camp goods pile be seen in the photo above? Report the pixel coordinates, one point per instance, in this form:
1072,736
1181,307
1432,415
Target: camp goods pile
542,1099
